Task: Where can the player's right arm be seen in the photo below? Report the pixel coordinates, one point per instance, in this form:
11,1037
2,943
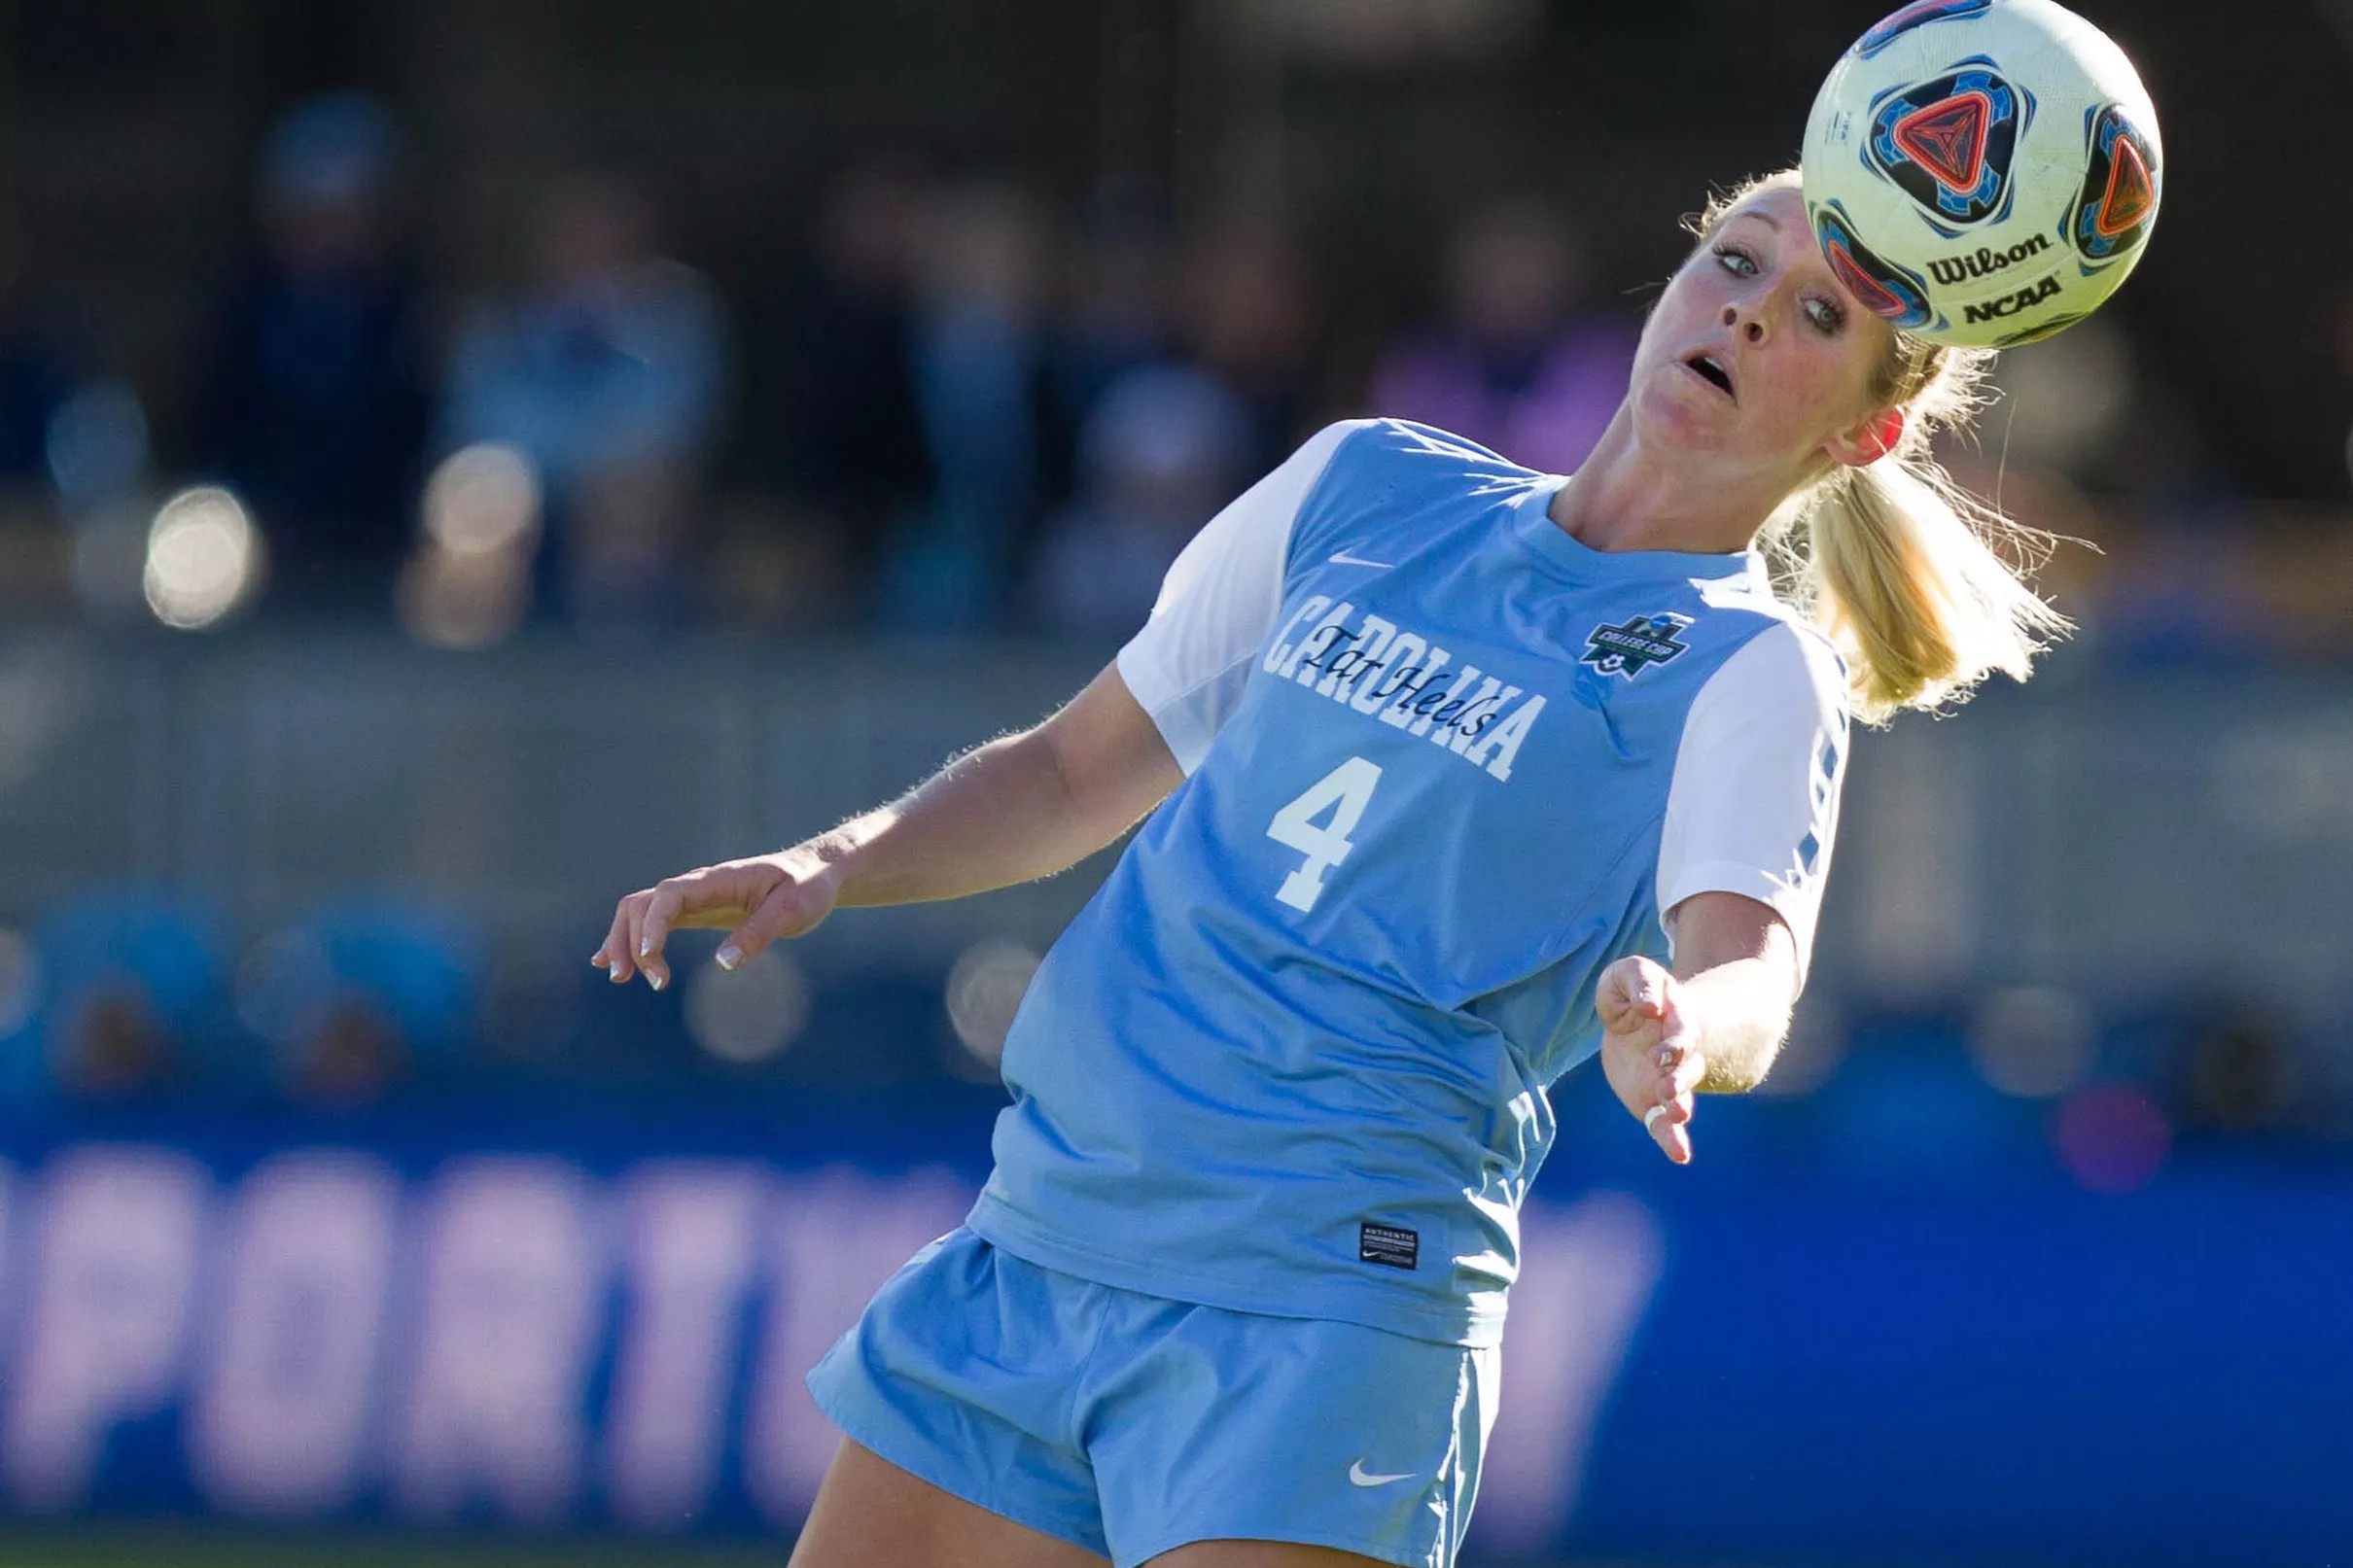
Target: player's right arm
1023,806
1019,808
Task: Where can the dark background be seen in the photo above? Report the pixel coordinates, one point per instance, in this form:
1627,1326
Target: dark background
130,129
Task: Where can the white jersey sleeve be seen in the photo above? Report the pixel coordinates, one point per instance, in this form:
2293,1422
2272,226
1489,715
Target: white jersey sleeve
1754,803
1217,604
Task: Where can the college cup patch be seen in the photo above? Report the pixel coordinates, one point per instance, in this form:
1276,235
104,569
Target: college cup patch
1633,648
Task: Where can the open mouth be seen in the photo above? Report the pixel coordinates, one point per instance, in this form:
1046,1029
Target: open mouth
1705,367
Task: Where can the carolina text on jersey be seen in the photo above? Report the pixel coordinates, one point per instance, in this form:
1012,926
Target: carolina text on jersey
1394,674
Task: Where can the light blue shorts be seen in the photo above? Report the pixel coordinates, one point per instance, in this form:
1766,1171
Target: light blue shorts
1130,1425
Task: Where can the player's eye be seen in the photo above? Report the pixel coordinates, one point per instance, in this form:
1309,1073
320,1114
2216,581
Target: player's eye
1737,261
1825,314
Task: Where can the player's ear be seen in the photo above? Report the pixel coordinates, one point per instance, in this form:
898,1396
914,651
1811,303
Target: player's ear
1867,440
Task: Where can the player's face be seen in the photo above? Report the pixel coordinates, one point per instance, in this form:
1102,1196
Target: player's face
1755,354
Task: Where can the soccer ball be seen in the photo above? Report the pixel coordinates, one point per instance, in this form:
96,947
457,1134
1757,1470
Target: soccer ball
1984,172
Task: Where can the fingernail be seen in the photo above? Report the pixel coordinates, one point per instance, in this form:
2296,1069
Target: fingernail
645,948
657,982
730,956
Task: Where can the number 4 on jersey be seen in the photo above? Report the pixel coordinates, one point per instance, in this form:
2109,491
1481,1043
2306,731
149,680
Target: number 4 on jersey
1344,792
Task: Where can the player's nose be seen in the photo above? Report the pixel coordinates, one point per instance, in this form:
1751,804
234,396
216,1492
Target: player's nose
1752,327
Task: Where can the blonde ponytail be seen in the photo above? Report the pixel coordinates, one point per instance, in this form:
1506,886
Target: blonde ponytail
1906,574
1922,586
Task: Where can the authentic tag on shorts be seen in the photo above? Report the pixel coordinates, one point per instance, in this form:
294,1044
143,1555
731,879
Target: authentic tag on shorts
1388,1245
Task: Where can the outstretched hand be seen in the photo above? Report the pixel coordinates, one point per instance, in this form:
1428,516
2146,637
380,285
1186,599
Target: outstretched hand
1650,1051
755,901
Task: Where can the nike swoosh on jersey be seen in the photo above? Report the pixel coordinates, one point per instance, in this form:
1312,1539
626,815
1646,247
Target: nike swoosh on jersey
1356,1472
1343,558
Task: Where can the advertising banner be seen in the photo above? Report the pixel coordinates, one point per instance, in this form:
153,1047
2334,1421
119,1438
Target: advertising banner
554,1328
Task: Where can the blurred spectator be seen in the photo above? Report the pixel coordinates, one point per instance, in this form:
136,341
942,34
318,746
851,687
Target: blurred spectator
605,375
2068,406
73,448
110,1046
1163,448
353,998
1248,317
132,990
1517,363
2235,1070
313,393
847,442
36,372
1114,314
2075,394
2180,590
977,362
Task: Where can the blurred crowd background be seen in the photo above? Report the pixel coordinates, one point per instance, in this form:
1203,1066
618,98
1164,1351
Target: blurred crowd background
462,462
569,344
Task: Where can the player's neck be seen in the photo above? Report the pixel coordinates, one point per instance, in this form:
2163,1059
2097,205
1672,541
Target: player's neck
1629,498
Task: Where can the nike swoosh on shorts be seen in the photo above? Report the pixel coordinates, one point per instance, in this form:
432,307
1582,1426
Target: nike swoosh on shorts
1343,558
1356,1472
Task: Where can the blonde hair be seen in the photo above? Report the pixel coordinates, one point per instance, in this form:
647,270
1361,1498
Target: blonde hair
1921,585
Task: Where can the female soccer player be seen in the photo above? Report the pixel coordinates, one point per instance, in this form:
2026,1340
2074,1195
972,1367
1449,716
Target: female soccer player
1442,758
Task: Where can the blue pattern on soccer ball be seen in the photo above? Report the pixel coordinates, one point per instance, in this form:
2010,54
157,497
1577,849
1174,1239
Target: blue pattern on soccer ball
1965,206
1905,290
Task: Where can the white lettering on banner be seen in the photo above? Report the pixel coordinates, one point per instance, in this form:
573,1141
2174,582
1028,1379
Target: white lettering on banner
280,1420
1587,1277
691,1232
833,1238
114,1240
514,1297
511,1305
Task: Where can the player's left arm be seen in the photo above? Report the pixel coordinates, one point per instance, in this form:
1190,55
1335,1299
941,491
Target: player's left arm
1744,847
1736,980
1711,1025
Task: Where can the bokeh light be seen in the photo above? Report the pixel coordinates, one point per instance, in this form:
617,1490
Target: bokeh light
483,499
2033,1041
985,985
463,602
752,1014
2112,1136
203,558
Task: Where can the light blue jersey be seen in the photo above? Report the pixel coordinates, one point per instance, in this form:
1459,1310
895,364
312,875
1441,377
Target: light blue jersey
1444,764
